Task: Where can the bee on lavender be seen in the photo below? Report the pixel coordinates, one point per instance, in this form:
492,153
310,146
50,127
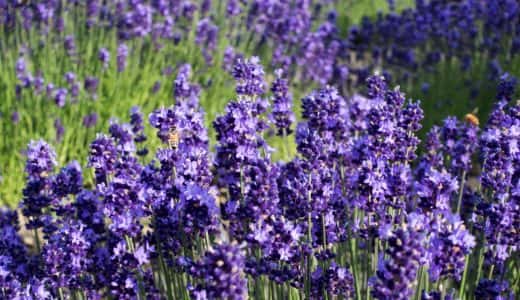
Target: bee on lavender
173,138
472,119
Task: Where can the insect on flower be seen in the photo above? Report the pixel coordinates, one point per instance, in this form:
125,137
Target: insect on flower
472,119
173,138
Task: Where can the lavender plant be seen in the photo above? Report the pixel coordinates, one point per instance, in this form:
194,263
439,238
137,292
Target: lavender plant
358,213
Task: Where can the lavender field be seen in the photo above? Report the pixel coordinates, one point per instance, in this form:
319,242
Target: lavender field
259,149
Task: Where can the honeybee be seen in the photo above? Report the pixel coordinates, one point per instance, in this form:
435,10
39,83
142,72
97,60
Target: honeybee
173,138
472,119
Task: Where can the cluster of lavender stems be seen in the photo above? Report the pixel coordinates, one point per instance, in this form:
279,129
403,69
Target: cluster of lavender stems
362,211
303,38
472,37
140,25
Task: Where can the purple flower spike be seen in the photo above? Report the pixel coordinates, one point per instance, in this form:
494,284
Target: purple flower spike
395,275
122,54
61,97
222,271
104,57
282,112
249,75
41,160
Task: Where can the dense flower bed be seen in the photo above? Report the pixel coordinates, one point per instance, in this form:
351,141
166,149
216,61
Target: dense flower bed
358,213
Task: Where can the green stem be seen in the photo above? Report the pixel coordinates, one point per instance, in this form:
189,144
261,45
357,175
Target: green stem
464,275
419,284
354,267
461,191
491,271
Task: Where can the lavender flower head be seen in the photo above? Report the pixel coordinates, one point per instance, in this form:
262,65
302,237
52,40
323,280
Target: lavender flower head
460,141
197,211
104,57
102,157
506,87
249,75
395,276
122,54
182,86
69,243
449,244
206,37
69,181
15,117
165,121
335,281
70,45
20,68
493,289
282,112
90,120
12,249
41,160
61,97
436,190
91,85
136,121
222,273
70,78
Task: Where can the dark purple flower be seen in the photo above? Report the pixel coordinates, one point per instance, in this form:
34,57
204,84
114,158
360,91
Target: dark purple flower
15,117
335,281
69,181
104,57
136,121
222,273
70,45
38,83
233,8
492,289
460,141
69,243
49,89
197,211
156,87
15,258
395,275
183,88
506,87
61,97
436,190
123,135
91,85
41,160
164,120
282,113
206,37
102,156
90,120
499,149
450,242
434,295
249,75
70,78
